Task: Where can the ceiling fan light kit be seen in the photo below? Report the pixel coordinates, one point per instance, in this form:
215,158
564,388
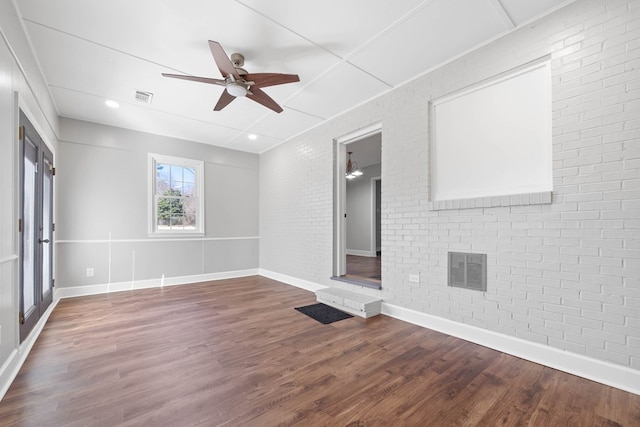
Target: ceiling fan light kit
236,89
238,82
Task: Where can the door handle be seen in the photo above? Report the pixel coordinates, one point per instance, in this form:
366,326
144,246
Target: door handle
43,241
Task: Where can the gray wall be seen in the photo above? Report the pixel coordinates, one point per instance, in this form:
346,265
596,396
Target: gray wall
360,213
21,85
562,275
102,177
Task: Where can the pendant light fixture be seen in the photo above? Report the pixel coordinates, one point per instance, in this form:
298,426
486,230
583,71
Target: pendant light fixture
352,168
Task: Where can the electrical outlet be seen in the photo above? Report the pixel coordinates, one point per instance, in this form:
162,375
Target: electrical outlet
415,278
90,272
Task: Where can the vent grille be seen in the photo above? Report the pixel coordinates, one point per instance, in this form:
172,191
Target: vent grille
467,271
144,97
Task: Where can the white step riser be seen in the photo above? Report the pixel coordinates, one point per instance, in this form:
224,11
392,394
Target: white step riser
350,302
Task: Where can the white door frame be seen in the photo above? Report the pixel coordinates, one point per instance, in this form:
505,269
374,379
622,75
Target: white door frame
340,194
374,246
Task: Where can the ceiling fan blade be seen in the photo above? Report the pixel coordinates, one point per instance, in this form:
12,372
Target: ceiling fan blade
196,79
225,99
271,79
222,60
262,98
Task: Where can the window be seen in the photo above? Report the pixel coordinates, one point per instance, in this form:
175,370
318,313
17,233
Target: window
494,139
176,195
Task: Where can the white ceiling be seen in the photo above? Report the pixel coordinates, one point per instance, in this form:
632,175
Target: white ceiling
345,51
367,151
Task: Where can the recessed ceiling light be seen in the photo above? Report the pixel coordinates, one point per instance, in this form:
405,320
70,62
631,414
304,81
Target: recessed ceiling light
112,104
252,136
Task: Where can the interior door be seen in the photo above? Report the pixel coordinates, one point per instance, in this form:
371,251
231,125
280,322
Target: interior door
36,227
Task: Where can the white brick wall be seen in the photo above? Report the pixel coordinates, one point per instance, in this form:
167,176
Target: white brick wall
565,274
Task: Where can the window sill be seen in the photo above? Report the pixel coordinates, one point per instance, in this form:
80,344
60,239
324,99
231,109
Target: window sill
541,198
373,284
177,234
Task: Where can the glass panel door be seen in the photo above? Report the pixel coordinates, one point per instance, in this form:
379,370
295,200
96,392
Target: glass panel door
36,219
29,312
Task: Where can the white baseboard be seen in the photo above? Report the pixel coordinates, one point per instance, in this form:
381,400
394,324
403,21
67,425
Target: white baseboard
12,366
293,281
361,253
77,291
15,361
603,372
626,379
596,370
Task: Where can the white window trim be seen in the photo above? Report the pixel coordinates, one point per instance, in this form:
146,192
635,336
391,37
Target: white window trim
153,160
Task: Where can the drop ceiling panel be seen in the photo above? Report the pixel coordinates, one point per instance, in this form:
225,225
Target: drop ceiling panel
130,116
522,11
344,52
337,25
74,64
284,125
343,87
436,33
174,34
263,143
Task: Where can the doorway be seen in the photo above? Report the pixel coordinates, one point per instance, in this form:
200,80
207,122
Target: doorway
35,226
357,248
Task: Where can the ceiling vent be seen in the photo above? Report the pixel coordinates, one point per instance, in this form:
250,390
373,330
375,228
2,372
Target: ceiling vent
144,97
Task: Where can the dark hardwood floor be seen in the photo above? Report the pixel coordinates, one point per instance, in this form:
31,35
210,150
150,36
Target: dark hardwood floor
236,353
362,267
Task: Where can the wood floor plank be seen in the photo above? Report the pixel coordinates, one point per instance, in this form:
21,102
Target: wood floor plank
364,267
236,353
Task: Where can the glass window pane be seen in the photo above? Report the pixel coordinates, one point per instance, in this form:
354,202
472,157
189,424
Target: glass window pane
189,190
176,186
176,174
189,175
176,222
168,208
163,171
29,235
161,186
190,206
162,178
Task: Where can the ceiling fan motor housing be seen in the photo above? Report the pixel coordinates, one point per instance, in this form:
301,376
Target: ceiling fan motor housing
237,59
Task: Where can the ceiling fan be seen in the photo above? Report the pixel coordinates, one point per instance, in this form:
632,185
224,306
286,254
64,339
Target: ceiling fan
238,82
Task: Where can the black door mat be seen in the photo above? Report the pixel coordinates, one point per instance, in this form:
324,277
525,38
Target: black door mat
323,313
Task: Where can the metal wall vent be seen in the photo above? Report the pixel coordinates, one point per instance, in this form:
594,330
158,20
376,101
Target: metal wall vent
144,96
467,271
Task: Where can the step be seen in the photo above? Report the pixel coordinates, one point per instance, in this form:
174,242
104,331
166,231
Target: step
350,302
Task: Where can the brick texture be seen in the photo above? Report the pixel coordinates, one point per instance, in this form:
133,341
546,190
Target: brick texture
565,274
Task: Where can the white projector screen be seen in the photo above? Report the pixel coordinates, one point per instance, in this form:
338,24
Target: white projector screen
493,139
